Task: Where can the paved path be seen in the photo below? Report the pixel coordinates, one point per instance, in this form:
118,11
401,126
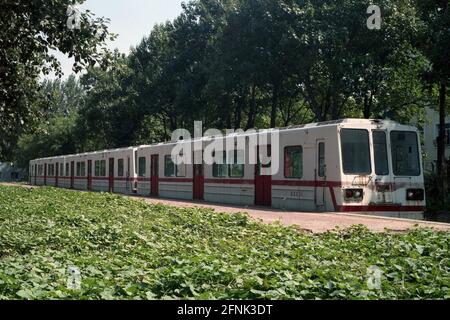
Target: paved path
310,222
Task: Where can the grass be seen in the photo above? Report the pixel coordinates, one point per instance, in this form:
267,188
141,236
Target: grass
128,249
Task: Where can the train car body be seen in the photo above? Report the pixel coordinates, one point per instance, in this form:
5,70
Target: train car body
351,165
108,171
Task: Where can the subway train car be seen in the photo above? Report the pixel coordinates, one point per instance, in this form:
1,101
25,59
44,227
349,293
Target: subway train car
351,165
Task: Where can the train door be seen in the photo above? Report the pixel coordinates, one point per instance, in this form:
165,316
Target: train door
57,174
35,174
320,174
89,175
263,178
154,173
45,174
72,174
111,175
383,193
199,182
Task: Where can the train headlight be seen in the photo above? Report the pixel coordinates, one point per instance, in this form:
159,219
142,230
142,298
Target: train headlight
415,195
354,194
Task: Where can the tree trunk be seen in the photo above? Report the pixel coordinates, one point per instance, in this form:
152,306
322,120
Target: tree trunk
441,163
239,107
335,108
368,101
273,112
252,111
226,107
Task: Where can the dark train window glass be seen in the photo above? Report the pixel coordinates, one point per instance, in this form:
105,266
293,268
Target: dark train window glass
120,167
67,170
180,170
82,169
405,153
293,162
142,167
61,169
236,164
169,167
78,169
220,170
51,170
380,153
100,168
103,168
321,160
355,151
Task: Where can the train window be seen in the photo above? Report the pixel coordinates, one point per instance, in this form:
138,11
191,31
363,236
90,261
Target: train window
142,162
81,169
405,153
181,170
135,166
220,170
120,168
67,170
169,167
61,169
236,166
321,159
293,162
100,168
380,153
51,170
355,151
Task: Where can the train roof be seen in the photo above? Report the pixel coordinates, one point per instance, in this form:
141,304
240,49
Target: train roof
323,124
87,153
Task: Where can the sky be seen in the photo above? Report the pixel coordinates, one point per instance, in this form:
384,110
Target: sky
130,19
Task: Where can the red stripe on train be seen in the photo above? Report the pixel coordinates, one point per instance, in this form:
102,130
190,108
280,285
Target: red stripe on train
174,180
229,181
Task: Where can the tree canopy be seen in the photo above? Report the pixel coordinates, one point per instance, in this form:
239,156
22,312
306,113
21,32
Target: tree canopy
29,32
264,63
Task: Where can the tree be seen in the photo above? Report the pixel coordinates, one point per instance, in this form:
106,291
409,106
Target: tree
57,133
434,42
29,30
109,117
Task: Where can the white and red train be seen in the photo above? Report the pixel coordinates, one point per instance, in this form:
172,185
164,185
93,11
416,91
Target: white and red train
350,165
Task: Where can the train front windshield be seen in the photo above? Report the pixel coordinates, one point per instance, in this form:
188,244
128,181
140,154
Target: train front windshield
356,152
405,153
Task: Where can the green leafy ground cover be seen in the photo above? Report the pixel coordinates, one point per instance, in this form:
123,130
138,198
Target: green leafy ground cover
128,249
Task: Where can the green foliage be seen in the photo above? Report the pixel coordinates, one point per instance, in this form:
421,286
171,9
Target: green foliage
127,249
245,64
29,31
436,203
58,133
